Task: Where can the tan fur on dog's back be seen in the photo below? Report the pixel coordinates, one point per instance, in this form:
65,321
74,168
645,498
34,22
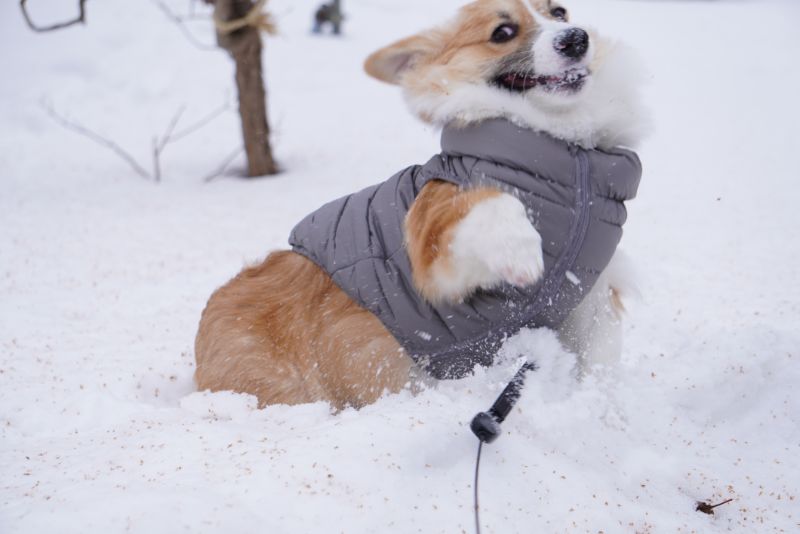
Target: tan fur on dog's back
284,332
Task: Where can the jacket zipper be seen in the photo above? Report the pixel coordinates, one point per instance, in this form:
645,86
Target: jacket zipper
552,285
583,215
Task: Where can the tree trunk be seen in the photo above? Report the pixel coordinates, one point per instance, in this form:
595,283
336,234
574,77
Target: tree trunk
244,46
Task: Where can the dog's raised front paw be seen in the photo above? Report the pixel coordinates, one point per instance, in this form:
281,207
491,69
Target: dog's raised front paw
495,243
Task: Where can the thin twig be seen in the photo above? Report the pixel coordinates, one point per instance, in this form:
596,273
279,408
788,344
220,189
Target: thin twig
167,137
81,18
97,138
224,166
160,144
180,22
156,160
708,508
170,136
200,123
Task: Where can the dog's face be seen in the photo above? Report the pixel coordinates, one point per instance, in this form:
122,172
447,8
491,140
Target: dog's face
521,59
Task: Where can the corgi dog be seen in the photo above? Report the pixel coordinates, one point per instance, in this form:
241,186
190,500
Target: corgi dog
309,325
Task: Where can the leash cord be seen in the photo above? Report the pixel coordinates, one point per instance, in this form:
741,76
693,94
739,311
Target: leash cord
477,471
486,426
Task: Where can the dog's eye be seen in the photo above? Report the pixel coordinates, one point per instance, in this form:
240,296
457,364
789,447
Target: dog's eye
504,33
558,13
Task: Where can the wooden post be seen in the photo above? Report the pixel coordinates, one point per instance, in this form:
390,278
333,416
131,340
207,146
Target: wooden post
244,46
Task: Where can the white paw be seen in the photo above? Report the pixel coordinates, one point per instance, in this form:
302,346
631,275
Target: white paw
497,243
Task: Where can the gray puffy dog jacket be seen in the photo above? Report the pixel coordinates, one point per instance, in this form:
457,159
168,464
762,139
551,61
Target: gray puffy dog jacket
574,198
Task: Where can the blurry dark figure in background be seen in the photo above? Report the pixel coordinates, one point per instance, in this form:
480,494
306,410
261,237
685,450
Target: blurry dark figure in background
329,13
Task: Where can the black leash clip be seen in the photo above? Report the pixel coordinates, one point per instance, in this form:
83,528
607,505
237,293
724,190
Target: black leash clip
486,425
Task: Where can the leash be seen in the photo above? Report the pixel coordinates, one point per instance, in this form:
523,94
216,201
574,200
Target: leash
486,425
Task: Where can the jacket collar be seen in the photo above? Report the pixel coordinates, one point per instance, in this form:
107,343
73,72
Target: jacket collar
505,143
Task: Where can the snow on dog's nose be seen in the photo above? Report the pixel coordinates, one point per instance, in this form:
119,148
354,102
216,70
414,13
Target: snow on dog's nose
572,43
559,47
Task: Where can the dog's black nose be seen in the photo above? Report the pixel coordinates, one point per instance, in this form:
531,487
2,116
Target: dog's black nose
572,43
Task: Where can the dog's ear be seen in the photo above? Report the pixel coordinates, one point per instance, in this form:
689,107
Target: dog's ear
389,64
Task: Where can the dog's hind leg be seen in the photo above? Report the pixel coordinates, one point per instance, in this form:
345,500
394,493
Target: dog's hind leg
231,358
362,360
593,330
256,333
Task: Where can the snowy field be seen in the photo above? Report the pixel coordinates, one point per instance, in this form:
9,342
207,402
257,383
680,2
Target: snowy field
103,276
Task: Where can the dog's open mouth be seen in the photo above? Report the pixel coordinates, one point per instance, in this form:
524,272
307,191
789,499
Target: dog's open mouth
518,82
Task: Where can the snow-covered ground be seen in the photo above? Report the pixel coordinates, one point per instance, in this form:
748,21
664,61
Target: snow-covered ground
103,276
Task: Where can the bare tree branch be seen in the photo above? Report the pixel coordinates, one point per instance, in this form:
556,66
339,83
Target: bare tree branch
199,124
167,137
160,144
171,137
156,161
224,165
97,138
180,22
81,19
